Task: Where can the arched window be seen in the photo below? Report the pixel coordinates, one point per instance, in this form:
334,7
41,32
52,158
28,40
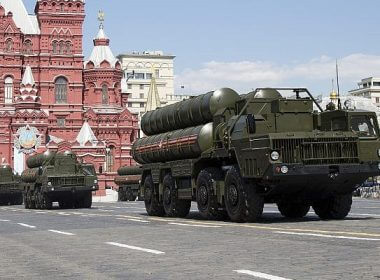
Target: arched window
28,47
9,45
105,94
55,47
110,159
61,47
61,90
68,47
8,89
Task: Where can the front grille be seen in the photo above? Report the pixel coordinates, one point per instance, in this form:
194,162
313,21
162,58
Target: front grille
67,181
316,151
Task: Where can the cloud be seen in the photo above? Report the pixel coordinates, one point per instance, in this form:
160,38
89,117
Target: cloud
243,76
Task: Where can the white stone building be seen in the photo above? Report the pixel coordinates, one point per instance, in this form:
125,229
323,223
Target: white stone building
144,65
368,88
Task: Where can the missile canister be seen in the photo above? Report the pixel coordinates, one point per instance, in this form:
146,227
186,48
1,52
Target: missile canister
188,113
39,159
127,179
179,144
30,175
129,170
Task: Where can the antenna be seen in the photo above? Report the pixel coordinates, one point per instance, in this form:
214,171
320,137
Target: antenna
337,84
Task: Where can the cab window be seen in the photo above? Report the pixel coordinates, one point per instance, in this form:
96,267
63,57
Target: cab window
363,125
339,124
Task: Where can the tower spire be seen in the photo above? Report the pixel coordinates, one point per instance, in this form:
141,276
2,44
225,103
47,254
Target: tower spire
153,101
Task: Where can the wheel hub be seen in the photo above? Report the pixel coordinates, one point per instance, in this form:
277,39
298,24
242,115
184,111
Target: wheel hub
233,195
203,196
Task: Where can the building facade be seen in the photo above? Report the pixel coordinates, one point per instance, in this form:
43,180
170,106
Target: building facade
368,88
50,98
138,71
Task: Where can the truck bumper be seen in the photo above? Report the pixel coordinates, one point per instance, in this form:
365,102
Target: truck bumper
71,189
318,179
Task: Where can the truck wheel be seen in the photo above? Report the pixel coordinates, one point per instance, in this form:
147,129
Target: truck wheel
38,199
26,200
293,210
47,203
243,203
32,200
173,206
152,205
130,196
18,199
121,195
87,200
207,201
336,207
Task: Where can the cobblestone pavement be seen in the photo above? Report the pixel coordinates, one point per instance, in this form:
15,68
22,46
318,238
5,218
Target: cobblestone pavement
119,241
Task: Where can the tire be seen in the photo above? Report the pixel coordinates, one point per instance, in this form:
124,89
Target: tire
18,200
293,210
122,195
207,201
38,199
173,206
32,201
87,200
26,200
152,205
243,204
335,207
47,203
130,196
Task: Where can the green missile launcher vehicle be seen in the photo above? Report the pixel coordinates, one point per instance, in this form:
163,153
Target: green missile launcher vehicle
231,154
128,180
10,193
58,177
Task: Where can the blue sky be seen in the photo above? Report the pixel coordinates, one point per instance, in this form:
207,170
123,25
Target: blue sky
247,43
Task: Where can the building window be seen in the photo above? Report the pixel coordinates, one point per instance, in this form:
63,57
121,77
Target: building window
141,96
157,73
139,76
28,47
55,46
9,45
148,76
68,47
61,122
129,86
105,94
142,105
8,88
61,47
129,104
377,99
61,90
110,159
376,84
141,86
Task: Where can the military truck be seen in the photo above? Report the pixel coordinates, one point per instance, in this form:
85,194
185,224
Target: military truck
128,180
231,154
10,194
58,177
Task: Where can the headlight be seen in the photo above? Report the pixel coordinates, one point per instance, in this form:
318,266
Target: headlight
49,184
284,169
274,155
95,181
52,189
378,152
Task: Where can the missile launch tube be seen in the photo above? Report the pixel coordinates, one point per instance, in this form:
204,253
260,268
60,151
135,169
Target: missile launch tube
39,159
127,179
188,113
30,175
179,144
129,170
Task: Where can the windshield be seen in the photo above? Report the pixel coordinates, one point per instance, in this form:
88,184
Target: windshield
363,125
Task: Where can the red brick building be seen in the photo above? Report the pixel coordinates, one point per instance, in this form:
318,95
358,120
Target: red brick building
51,98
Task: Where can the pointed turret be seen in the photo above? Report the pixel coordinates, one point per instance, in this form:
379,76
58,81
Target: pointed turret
102,74
28,98
153,101
86,135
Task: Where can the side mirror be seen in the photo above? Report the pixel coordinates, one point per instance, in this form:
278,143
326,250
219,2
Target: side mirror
251,124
